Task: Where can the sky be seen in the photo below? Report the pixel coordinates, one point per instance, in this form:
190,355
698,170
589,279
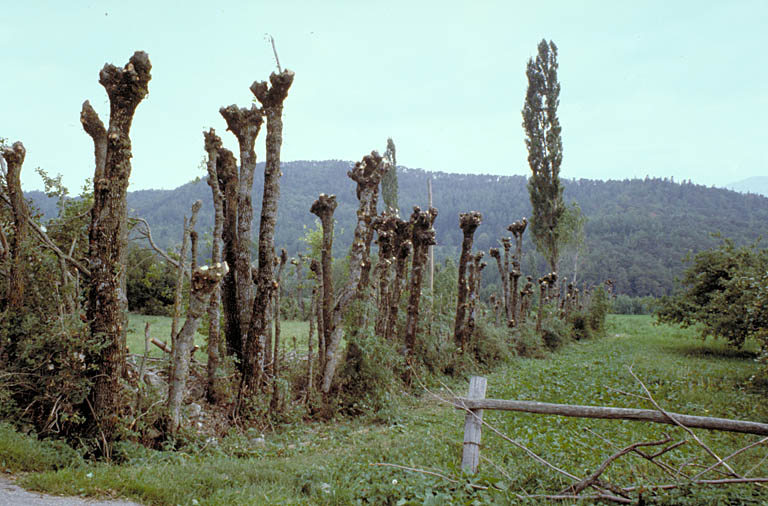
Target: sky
654,88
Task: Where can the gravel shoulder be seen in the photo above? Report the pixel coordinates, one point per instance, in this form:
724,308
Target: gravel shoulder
13,495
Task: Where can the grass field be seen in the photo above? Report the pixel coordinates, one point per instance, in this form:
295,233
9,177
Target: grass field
339,462
160,328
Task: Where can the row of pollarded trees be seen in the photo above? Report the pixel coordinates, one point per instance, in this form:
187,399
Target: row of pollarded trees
245,308
398,240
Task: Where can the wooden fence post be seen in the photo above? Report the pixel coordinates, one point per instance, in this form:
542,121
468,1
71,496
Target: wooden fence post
473,426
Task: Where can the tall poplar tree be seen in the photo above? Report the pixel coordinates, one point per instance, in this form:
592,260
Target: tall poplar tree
389,182
545,151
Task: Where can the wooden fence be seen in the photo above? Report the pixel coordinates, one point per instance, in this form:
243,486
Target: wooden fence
475,403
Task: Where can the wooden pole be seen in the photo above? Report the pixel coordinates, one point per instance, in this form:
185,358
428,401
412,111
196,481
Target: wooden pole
477,404
473,425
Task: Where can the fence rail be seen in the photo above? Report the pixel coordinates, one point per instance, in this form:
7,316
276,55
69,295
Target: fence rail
475,403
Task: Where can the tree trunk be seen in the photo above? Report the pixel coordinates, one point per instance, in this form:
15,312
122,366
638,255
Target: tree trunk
212,147
323,208
423,237
475,278
245,124
226,171
542,297
313,304
468,222
508,311
503,275
275,403
126,88
403,247
204,282
271,99
177,293
319,316
367,174
385,225
14,156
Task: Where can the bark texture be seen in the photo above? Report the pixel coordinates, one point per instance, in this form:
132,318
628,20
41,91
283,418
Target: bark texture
423,236
271,98
323,208
367,174
468,222
226,172
245,124
403,247
212,147
496,255
14,156
385,226
275,402
506,242
126,87
204,282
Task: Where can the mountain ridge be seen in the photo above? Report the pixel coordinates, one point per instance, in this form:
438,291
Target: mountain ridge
638,230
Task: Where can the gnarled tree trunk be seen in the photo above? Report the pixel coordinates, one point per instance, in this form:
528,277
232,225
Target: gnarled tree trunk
423,237
204,282
126,87
323,208
271,99
226,172
468,222
14,156
367,174
403,247
212,147
245,124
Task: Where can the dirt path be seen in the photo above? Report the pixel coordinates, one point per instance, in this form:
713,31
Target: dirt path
13,495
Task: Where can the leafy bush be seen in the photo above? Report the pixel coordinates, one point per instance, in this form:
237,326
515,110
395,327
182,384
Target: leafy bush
599,305
370,373
726,292
579,322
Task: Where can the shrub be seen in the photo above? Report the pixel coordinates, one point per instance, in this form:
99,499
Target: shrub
599,306
580,325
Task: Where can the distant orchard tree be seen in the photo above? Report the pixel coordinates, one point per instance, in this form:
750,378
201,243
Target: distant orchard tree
389,182
545,151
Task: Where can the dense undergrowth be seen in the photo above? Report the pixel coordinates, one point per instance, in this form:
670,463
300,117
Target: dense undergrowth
338,462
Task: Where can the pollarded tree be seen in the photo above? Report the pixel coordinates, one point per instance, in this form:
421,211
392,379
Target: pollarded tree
545,151
107,303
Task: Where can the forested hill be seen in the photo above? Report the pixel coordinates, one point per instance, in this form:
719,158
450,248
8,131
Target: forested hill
638,231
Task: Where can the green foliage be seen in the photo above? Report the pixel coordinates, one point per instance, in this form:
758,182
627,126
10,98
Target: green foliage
725,294
626,304
45,371
599,306
331,463
369,376
545,152
22,453
151,283
579,322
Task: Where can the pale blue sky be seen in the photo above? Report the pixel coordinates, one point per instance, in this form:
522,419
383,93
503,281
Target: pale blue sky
659,88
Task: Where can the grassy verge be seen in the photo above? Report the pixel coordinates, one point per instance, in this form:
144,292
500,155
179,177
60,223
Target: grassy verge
334,463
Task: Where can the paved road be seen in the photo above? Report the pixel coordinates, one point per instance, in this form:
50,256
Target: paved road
13,495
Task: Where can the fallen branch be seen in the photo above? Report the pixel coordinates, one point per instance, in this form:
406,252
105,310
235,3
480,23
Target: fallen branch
677,421
577,488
